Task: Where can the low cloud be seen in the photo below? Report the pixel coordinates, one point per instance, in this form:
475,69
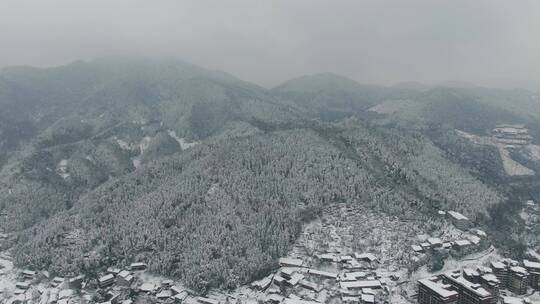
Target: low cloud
488,42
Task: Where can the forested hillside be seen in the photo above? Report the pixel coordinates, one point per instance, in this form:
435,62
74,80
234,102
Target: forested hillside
208,178
220,214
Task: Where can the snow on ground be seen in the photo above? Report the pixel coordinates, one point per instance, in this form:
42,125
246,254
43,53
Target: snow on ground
124,144
182,141
534,152
479,140
136,161
63,163
392,106
533,253
143,145
526,216
511,167
535,298
61,168
7,276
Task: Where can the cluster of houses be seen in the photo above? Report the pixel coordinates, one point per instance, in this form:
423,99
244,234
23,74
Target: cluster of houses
327,266
357,280
488,284
511,134
115,286
469,243
462,245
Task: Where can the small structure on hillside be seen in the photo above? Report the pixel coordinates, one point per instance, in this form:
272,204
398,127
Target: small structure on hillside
22,285
263,283
125,278
435,242
204,300
106,280
417,248
137,266
459,220
368,257
373,284
147,287
57,281
323,274
290,262
76,282
28,274
511,134
164,294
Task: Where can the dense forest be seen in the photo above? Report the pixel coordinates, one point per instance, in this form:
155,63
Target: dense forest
220,214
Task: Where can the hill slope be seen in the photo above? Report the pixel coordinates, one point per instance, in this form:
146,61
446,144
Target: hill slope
221,214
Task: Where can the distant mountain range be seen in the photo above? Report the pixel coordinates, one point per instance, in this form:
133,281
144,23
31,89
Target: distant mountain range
209,178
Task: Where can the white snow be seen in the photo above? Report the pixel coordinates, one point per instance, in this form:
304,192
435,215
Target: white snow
511,167
392,106
145,142
533,253
534,152
181,141
143,145
61,168
123,144
136,161
7,277
213,189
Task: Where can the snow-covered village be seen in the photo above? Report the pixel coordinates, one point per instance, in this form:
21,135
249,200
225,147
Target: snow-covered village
454,262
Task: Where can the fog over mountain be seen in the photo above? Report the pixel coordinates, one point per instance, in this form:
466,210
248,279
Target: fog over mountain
267,42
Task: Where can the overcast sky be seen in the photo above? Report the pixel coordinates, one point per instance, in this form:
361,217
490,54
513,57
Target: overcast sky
488,42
